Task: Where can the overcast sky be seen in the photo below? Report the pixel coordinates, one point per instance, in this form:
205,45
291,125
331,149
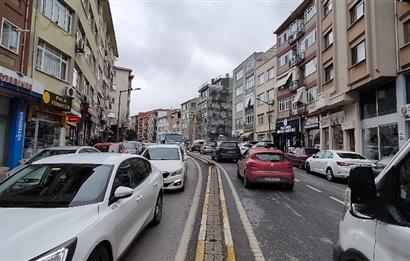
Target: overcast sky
174,47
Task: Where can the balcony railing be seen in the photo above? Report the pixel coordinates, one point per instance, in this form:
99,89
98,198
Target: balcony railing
296,58
298,110
294,85
297,34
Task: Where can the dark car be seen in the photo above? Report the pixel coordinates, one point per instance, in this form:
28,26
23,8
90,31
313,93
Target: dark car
298,156
226,150
379,166
196,145
207,148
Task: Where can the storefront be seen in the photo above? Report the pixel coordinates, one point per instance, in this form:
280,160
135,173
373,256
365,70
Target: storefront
46,123
288,133
332,131
312,132
16,93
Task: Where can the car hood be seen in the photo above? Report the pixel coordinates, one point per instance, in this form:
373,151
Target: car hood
168,165
26,233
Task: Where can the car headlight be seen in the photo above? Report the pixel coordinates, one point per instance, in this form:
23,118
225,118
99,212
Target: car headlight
63,252
178,172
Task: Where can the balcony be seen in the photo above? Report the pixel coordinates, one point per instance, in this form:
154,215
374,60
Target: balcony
298,110
296,58
292,38
294,85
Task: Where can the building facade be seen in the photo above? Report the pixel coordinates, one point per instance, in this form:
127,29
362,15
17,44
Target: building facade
143,118
188,114
162,125
265,113
174,121
214,108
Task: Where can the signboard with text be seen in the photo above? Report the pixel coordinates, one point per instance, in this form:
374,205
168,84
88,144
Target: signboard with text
287,126
57,101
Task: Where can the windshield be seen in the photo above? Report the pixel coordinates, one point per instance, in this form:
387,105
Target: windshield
350,156
55,185
162,154
272,157
48,153
174,137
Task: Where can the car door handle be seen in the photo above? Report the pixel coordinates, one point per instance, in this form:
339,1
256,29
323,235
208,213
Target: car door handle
139,197
155,183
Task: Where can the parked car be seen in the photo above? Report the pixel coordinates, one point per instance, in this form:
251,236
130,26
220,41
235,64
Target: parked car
265,165
196,145
51,151
335,163
379,166
78,207
207,148
169,159
131,146
263,144
244,147
375,225
298,156
111,147
226,150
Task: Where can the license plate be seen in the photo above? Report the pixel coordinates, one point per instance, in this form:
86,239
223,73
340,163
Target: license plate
272,179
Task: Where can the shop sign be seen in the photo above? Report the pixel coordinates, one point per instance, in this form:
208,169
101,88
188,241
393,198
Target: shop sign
57,101
73,119
20,81
312,122
287,126
324,121
337,118
20,126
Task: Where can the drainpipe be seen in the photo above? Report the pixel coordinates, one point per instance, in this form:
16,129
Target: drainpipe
23,51
34,39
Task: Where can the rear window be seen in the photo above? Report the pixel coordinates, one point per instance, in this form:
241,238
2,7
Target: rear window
229,145
108,148
350,156
272,157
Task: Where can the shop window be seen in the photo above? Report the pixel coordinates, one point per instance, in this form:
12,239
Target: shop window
313,138
368,104
325,144
338,137
370,143
389,140
386,99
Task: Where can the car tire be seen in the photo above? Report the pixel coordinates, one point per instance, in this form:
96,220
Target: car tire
289,187
157,210
329,174
246,182
307,166
100,253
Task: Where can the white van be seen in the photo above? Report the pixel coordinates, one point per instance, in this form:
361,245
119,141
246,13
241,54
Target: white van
376,225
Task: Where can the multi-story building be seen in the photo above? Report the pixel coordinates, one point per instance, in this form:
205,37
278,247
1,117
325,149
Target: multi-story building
162,125
297,77
174,121
188,114
265,114
120,95
72,52
214,107
243,98
143,118
17,88
134,123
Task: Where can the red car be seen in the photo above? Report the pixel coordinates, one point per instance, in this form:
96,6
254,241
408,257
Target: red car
265,165
298,156
111,147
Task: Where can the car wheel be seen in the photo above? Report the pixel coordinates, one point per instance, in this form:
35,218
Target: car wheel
307,166
289,187
157,211
100,253
329,174
246,182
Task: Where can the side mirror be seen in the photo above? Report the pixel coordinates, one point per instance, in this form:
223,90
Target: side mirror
122,192
363,195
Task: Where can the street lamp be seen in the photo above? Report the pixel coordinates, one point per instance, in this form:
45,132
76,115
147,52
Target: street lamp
119,110
269,118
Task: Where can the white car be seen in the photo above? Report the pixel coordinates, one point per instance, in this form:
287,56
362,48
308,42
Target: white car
78,207
170,160
335,163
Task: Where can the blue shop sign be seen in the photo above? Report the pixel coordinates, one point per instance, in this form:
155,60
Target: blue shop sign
17,82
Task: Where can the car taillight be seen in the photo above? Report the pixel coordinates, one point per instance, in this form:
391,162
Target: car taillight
252,164
343,164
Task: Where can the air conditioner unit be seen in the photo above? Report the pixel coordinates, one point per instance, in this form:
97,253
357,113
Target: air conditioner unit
70,91
79,46
405,111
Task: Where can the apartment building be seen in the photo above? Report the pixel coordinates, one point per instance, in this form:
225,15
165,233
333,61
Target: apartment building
162,125
72,52
143,118
297,78
174,121
265,95
17,88
188,114
243,98
120,93
214,107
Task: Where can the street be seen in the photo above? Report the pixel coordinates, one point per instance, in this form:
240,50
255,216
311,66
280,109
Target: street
297,225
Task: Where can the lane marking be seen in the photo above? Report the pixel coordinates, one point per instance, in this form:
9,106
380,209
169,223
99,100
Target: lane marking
337,200
294,211
314,188
189,225
200,248
227,228
297,180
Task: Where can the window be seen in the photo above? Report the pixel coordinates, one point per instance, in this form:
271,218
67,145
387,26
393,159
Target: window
249,83
310,67
58,13
286,104
89,57
379,101
311,95
10,36
270,95
309,13
76,78
239,90
249,119
261,119
51,61
239,107
284,58
329,72
123,177
327,7
381,141
328,38
308,41
239,74
141,170
261,78
259,99
406,30
359,53
282,38
356,12
271,73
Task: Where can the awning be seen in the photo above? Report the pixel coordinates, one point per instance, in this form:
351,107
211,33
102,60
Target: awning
299,96
282,81
246,134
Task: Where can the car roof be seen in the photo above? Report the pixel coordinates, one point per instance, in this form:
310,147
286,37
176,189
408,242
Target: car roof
87,158
107,143
67,147
342,151
164,146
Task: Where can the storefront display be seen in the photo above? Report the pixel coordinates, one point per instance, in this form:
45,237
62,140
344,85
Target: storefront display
288,134
380,142
312,132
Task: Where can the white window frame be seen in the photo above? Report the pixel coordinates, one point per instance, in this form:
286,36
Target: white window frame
261,119
57,4
18,30
271,73
45,48
261,78
361,44
270,93
259,97
328,38
311,95
310,13
250,82
239,90
239,106
239,74
310,67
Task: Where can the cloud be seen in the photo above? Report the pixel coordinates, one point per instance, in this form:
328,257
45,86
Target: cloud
174,47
